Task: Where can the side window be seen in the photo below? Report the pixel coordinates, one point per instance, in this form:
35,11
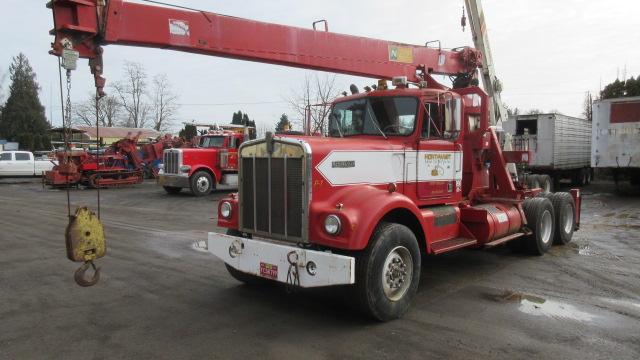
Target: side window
22,157
5,157
433,122
442,120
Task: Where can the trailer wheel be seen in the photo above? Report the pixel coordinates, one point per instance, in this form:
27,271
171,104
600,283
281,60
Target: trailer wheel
579,177
545,182
541,220
564,208
532,181
172,189
388,272
241,276
201,183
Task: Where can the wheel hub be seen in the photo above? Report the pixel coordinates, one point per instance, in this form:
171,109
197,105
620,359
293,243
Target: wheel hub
397,273
202,184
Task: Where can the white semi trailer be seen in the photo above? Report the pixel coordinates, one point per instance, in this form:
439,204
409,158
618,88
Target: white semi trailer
560,148
616,138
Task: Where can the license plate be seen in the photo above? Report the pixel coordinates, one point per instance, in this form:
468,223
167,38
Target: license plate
269,271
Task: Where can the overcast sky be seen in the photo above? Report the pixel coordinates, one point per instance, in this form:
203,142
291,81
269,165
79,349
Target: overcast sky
547,53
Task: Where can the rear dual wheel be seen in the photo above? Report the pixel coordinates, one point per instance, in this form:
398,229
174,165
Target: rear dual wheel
541,221
564,209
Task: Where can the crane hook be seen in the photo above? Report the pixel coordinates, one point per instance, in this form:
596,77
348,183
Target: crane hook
80,278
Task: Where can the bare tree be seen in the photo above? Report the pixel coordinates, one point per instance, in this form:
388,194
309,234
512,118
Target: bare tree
314,97
108,110
131,94
163,103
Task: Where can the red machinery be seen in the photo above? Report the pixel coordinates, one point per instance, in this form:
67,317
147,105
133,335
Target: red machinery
403,172
120,164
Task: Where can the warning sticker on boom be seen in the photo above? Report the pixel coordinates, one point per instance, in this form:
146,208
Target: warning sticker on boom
179,27
400,53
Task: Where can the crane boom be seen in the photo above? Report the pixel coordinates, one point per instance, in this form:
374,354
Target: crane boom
86,25
492,86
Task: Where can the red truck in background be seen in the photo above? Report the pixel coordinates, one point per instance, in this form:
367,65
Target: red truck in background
214,161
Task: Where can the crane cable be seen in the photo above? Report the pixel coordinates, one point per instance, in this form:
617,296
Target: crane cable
66,129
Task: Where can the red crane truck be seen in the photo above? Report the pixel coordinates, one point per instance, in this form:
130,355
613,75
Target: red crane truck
214,161
404,172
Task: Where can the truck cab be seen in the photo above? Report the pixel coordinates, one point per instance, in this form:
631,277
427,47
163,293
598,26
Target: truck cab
212,162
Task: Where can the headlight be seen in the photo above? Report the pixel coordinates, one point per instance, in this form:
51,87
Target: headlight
332,224
185,168
225,210
160,166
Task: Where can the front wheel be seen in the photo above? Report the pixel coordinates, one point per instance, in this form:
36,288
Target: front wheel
201,183
388,272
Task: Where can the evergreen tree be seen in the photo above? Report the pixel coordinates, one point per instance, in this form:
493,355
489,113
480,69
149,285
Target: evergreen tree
188,132
237,118
282,123
633,86
23,115
614,90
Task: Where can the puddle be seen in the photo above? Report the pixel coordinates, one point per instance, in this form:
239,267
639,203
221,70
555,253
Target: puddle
200,246
537,306
623,302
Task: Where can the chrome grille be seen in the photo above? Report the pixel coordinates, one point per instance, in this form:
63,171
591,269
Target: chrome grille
171,161
272,201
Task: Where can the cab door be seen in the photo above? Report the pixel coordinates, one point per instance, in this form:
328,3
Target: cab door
6,163
23,163
439,157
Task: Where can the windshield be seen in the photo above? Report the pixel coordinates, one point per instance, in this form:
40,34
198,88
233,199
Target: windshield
391,116
212,141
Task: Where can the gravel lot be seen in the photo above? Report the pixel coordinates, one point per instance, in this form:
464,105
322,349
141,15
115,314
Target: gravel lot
163,297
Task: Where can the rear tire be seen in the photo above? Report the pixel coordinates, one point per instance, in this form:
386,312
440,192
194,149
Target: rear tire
388,272
201,183
564,208
172,189
541,221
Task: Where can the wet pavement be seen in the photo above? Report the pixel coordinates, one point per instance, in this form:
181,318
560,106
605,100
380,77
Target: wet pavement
162,296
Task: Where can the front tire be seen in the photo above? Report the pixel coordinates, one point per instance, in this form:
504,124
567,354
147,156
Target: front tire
201,183
388,272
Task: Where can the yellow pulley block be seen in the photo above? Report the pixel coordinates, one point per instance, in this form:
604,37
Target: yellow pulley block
85,242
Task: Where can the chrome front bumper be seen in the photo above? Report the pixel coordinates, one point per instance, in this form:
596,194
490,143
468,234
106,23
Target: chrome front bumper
181,181
275,261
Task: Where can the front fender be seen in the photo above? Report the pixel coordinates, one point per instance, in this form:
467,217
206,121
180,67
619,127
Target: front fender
360,210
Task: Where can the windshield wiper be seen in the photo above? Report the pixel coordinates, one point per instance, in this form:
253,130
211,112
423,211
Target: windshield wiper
337,125
375,121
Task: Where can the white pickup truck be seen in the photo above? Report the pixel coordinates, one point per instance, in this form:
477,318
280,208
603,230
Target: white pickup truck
22,163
